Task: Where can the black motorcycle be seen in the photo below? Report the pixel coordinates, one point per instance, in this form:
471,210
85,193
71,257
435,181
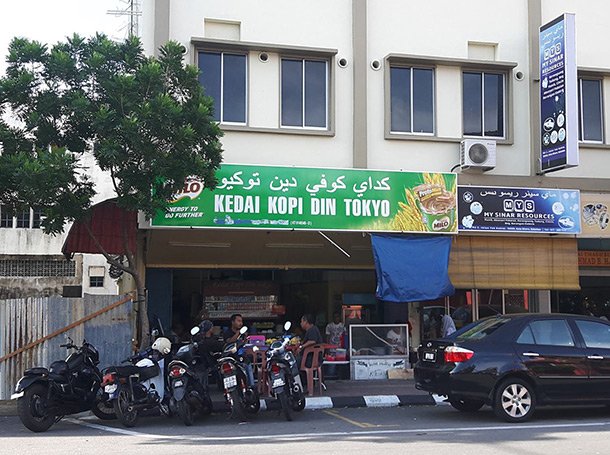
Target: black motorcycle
283,376
187,376
241,396
44,396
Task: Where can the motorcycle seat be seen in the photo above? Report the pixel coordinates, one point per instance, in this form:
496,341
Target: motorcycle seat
36,371
132,370
58,378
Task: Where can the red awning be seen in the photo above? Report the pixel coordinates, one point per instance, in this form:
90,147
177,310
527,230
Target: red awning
106,224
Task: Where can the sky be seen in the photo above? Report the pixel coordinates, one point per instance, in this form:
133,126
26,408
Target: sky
50,21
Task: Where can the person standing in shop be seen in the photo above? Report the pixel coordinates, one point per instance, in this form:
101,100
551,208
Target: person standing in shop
334,330
447,326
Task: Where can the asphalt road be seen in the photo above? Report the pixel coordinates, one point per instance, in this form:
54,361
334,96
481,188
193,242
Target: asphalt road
413,430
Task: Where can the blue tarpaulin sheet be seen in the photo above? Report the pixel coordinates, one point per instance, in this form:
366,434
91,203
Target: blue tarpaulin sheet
412,268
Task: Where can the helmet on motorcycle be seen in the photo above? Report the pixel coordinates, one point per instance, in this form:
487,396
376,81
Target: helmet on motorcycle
162,345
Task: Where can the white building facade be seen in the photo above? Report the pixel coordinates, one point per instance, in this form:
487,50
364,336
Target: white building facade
376,84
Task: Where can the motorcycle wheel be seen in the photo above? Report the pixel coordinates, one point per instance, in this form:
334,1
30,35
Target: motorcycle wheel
103,410
185,411
253,403
31,408
237,407
298,404
121,407
285,405
207,406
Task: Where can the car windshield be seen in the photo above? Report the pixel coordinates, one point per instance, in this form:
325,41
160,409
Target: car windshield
481,328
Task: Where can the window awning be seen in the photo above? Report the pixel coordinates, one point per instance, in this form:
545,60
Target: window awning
486,262
106,223
411,268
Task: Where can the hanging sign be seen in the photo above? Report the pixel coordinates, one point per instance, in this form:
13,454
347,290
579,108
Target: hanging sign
558,95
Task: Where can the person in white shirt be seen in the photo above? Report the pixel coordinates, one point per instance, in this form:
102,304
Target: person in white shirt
334,330
447,326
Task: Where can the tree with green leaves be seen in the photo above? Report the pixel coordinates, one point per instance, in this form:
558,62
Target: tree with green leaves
144,120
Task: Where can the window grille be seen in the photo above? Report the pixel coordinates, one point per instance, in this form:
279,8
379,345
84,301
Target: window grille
36,267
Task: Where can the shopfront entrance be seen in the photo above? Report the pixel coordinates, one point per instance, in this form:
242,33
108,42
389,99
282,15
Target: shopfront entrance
468,305
266,298
268,276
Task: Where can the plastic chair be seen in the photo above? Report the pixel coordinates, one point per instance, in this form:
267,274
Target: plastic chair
259,359
314,352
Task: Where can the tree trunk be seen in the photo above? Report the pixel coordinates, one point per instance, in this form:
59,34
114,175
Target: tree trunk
142,323
142,330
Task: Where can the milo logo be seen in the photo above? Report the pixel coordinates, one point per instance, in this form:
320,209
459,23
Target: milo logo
192,189
441,224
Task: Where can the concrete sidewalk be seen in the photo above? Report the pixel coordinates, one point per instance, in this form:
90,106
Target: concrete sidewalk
338,394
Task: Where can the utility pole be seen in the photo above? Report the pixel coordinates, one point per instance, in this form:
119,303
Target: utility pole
132,10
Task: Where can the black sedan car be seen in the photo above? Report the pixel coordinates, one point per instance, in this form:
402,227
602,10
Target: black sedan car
516,362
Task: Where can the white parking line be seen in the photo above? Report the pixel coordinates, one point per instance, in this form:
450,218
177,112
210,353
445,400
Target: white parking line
306,436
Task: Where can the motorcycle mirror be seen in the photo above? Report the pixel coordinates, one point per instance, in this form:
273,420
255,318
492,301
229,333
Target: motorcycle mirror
243,330
70,340
155,333
287,326
195,330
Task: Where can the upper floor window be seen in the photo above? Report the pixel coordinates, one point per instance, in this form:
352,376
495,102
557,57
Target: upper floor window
23,219
223,76
6,219
590,119
26,219
304,93
483,104
36,218
412,100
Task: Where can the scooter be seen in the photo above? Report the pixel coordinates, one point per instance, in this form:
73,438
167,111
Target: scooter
187,375
141,386
68,386
283,376
241,396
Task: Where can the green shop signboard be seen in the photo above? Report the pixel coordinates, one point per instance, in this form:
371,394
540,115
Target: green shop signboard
267,197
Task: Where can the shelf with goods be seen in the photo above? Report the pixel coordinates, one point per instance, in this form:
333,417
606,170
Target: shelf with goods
249,306
256,301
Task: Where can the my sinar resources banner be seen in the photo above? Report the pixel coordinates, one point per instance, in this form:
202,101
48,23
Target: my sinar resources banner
267,197
499,209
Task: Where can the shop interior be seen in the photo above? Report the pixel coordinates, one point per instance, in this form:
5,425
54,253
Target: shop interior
593,299
267,298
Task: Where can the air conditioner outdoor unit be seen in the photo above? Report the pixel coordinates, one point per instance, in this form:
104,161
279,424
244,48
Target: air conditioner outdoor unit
477,154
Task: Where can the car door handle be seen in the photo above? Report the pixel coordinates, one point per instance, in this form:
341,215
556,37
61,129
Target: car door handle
595,357
531,354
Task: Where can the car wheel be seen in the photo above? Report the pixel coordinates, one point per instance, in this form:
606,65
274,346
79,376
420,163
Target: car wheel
515,400
466,405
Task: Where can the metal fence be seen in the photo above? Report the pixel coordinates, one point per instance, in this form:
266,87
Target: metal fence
24,321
